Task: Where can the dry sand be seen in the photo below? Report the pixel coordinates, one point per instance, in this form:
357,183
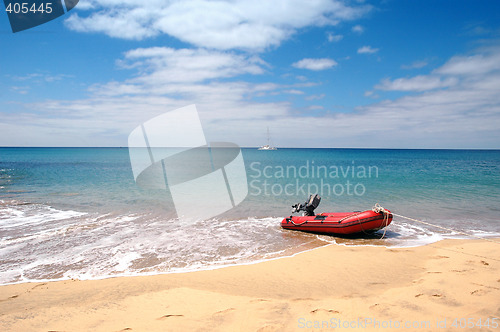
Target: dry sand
433,288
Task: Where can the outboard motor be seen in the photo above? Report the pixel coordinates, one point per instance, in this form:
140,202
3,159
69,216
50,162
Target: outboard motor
308,207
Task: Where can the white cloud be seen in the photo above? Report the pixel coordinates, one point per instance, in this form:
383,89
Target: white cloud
315,64
334,38
133,23
241,24
315,97
415,65
457,69
315,108
294,92
358,29
371,94
20,89
367,50
165,65
471,65
39,77
417,83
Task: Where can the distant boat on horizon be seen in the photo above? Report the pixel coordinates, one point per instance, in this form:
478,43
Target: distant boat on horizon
268,146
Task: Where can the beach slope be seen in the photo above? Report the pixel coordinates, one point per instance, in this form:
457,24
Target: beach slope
440,286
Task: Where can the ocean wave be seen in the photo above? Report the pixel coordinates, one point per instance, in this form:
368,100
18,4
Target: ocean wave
18,214
40,242
45,243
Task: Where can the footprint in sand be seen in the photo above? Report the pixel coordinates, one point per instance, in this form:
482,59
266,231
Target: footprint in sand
10,298
259,300
223,312
168,316
302,299
378,307
270,328
326,310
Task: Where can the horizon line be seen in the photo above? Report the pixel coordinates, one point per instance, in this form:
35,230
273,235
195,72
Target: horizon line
254,147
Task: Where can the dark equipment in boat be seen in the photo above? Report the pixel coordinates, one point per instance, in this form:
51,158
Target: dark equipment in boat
308,206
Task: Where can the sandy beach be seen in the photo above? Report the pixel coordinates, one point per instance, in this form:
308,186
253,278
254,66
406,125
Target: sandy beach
448,285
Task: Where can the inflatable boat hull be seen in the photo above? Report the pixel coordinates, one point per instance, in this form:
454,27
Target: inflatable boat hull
340,223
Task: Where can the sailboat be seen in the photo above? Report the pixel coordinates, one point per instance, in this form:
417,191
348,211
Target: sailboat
268,145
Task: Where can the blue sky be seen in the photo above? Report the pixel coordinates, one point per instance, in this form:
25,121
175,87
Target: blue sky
321,73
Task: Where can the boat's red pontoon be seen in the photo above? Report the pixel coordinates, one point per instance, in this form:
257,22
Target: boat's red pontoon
336,223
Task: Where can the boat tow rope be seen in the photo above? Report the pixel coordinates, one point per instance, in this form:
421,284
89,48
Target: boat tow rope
377,209
302,223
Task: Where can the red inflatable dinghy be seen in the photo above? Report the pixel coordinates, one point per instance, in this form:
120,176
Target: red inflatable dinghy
340,223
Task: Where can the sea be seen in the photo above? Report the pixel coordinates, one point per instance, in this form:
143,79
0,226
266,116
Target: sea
78,213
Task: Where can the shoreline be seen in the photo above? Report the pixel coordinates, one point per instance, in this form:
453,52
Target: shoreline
321,288
286,253
204,268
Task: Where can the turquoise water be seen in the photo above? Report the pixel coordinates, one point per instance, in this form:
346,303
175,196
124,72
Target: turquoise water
78,213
